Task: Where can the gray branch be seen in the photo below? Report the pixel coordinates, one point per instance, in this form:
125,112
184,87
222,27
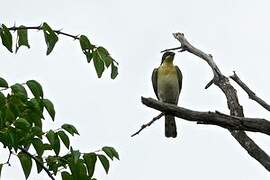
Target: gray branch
232,101
211,118
250,93
236,122
148,124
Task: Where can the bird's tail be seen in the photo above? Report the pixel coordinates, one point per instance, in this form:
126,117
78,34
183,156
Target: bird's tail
170,126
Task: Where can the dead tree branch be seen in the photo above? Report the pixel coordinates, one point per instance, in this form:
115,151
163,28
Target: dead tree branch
148,124
232,101
233,104
210,118
249,92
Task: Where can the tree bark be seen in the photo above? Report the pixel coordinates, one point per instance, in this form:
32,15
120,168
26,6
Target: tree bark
211,118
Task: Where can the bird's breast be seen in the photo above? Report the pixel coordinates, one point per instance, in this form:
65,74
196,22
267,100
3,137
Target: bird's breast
167,84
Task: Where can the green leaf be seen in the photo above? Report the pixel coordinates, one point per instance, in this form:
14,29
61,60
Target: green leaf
22,38
87,47
50,37
77,168
18,89
9,116
85,44
35,88
49,107
22,123
54,141
76,155
1,166
56,146
47,146
108,151
115,153
66,176
38,145
104,56
15,103
90,161
89,56
114,71
6,37
39,167
53,163
105,162
1,122
3,83
12,138
73,169
81,169
35,117
37,131
70,128
26,163
64,138
98,63
4,137
51,137
2,99
111,152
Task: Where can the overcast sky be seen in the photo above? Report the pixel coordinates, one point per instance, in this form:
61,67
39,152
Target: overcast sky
107,112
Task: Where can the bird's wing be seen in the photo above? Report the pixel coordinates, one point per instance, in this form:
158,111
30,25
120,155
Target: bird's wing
180,77
154,80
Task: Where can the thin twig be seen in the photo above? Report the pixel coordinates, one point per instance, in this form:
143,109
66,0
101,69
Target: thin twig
37,160
209,84
250,93
148,124
171,49
9,156
14,28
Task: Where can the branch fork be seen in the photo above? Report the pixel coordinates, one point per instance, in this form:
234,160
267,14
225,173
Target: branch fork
236,123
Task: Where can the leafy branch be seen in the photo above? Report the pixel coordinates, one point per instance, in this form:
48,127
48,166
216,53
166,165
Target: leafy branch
21,127
101,57
15,28
39,163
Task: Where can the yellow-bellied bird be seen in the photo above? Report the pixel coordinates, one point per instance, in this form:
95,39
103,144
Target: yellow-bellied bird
167,84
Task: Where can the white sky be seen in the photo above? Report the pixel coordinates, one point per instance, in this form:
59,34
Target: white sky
107,112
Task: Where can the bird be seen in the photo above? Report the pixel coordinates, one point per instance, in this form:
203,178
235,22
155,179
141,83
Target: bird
167,84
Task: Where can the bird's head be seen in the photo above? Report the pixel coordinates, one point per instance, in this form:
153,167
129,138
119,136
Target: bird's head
167,57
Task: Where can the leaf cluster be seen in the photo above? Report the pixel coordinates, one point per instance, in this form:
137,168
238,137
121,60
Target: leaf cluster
22,111
101,57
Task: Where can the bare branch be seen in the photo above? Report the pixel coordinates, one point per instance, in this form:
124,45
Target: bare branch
212,118
250,93
148,124
209,84
171,49
232,101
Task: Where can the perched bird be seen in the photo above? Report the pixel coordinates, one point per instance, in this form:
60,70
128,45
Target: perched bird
167,84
